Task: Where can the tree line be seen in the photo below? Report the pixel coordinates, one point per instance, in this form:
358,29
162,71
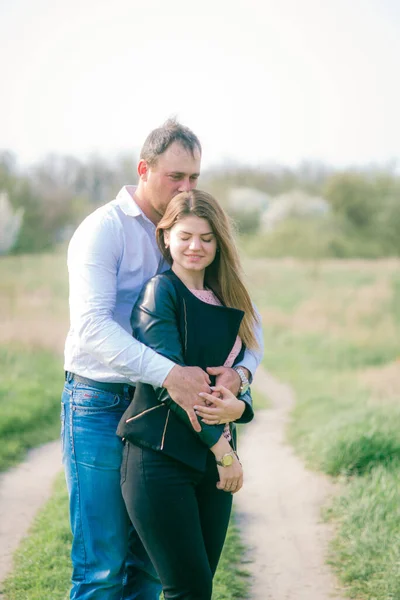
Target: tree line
364,220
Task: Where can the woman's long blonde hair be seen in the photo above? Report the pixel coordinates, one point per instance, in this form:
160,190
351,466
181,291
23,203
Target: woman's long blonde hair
224,275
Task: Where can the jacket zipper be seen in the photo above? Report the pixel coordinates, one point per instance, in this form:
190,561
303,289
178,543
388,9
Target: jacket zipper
165,429
143,413
185,317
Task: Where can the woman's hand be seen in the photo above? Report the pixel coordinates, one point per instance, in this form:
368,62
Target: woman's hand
225,409
230,478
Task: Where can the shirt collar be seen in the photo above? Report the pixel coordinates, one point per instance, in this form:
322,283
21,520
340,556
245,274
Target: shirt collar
126,202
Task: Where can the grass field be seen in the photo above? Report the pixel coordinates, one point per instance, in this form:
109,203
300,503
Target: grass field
30,390
332,330
33,308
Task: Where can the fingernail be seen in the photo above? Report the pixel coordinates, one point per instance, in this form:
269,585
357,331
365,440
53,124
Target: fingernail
201,394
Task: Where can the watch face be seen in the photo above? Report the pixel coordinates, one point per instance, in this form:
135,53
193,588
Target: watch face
227,460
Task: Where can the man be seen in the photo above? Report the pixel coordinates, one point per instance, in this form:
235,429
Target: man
111,255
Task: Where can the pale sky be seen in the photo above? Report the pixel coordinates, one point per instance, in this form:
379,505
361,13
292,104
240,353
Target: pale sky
257,80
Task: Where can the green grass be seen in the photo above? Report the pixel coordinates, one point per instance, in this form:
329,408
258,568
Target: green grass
42,564
33,272
366,552
33,307
231,579
337,425
30,391
42,568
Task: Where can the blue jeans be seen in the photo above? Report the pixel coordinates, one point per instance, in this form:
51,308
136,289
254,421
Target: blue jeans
109,561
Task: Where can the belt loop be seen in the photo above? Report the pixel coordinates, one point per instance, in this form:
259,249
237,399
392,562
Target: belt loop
69,376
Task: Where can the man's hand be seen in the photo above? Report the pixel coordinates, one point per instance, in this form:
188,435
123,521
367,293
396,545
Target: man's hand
184,385
226,377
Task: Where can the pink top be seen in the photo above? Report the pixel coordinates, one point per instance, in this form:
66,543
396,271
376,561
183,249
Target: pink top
210,298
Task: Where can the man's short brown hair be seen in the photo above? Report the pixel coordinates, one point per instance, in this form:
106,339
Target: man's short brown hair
161,138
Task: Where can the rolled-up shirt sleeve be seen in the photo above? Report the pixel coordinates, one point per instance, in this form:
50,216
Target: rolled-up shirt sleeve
252,358
93,261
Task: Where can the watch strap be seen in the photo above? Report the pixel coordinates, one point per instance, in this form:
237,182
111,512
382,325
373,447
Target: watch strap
244,382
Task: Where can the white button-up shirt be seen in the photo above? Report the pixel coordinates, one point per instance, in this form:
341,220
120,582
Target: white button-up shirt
110,257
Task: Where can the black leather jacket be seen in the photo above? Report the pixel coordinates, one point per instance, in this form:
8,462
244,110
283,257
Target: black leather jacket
175,323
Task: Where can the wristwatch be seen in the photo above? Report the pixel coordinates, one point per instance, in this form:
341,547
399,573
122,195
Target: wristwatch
226,460
245,383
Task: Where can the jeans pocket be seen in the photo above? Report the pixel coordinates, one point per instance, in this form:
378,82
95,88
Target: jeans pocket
88,399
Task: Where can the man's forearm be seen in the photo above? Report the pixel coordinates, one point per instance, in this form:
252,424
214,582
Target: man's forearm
111,345
250,362
252,358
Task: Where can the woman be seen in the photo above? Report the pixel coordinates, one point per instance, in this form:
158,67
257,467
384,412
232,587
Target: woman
178,484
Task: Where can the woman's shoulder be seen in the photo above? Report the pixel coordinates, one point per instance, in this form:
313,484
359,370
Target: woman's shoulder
157,298
159,288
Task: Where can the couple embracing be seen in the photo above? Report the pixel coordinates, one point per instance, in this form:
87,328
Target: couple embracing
162,345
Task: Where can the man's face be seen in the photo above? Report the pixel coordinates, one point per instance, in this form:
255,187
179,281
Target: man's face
175,171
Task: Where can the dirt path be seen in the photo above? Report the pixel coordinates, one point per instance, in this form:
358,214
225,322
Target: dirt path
279,508
23,490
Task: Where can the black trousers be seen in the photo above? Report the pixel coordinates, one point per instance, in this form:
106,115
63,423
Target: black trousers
180,516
